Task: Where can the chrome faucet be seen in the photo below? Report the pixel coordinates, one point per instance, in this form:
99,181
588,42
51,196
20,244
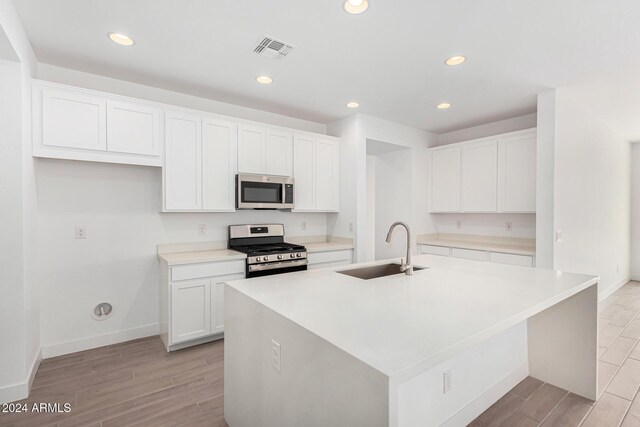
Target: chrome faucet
408,267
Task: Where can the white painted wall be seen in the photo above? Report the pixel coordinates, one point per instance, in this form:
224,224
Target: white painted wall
370,248
545,179
635,211
354,132
120,207
592,197
513,124
523,225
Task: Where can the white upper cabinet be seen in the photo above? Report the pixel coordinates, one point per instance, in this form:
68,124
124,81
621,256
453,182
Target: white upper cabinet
219,148
279,153
445,180
183,161
80,124
73,120
251,149
133,128
517,174
479,183
316,173
494,174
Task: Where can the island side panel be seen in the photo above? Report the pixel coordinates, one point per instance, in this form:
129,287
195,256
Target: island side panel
318,384
563,344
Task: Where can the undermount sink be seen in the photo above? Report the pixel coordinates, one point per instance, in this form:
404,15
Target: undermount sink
376,271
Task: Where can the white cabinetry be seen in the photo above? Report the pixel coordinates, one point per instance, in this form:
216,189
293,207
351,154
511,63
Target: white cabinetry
192,301
264,150
316,173
200,158
445,180
496,174
79,124
329,258
517,174
479,177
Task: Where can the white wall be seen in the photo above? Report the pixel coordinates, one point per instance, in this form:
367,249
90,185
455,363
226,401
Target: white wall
635,211
120,207
354,132
592,198
545,155
523,225
513,124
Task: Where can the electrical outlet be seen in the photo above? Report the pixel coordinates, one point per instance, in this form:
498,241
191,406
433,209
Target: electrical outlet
202,229
509,226
446,381
303,225
351,227
81,232
275,355
458,224
558,235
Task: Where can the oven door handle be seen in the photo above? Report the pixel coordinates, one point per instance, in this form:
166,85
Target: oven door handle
276,265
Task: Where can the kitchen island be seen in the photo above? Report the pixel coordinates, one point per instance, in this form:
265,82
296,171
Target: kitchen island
321,348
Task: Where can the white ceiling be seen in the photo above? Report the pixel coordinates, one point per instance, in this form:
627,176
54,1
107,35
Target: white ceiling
390,58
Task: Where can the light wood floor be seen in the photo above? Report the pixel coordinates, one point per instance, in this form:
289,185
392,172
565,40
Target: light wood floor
138,383
133,383
532,403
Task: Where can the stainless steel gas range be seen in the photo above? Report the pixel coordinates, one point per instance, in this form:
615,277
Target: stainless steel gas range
267,252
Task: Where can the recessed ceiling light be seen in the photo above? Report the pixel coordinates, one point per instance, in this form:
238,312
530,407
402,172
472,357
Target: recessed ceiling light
443,106
356,7
353,104
265,80
122,39
455,60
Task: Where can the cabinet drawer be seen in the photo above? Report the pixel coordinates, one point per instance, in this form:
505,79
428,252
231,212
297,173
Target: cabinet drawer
511,259
470,254
209,269
435,250
333,256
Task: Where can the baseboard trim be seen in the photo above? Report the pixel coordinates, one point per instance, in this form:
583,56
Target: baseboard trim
14,392
34,368
100,340
470,412
606,293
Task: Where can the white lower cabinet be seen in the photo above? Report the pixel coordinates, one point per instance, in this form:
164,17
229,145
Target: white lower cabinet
192,306
479,255
329,258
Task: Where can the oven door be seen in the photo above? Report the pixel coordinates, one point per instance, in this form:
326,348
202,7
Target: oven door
264,192
267,269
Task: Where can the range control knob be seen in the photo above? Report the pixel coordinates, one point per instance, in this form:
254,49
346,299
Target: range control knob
258,259
279,256
266,258
292,255
299,255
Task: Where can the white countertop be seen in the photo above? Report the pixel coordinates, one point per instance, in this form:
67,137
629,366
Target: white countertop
403,325
481,246
179,258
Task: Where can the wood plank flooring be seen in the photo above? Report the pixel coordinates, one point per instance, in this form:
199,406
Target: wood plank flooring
133,383
139,383
532,403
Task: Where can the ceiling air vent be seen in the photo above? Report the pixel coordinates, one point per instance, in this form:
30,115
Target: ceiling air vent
272,48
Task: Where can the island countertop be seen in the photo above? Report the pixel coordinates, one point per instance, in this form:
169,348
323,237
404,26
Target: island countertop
403,325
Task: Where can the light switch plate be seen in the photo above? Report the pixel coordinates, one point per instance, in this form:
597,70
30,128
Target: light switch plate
275,355
558,235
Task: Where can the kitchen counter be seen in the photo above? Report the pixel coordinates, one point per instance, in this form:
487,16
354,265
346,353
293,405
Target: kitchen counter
481,243
181,258
402,327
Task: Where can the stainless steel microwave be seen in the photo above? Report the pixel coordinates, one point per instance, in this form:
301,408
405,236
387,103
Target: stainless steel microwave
264,192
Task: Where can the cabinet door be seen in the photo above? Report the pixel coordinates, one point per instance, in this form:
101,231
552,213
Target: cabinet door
278,153
219,151
133,128
326,175
518,165
445,180
183,159
251,149
190,310
217,300
303,172
74,120
480,177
